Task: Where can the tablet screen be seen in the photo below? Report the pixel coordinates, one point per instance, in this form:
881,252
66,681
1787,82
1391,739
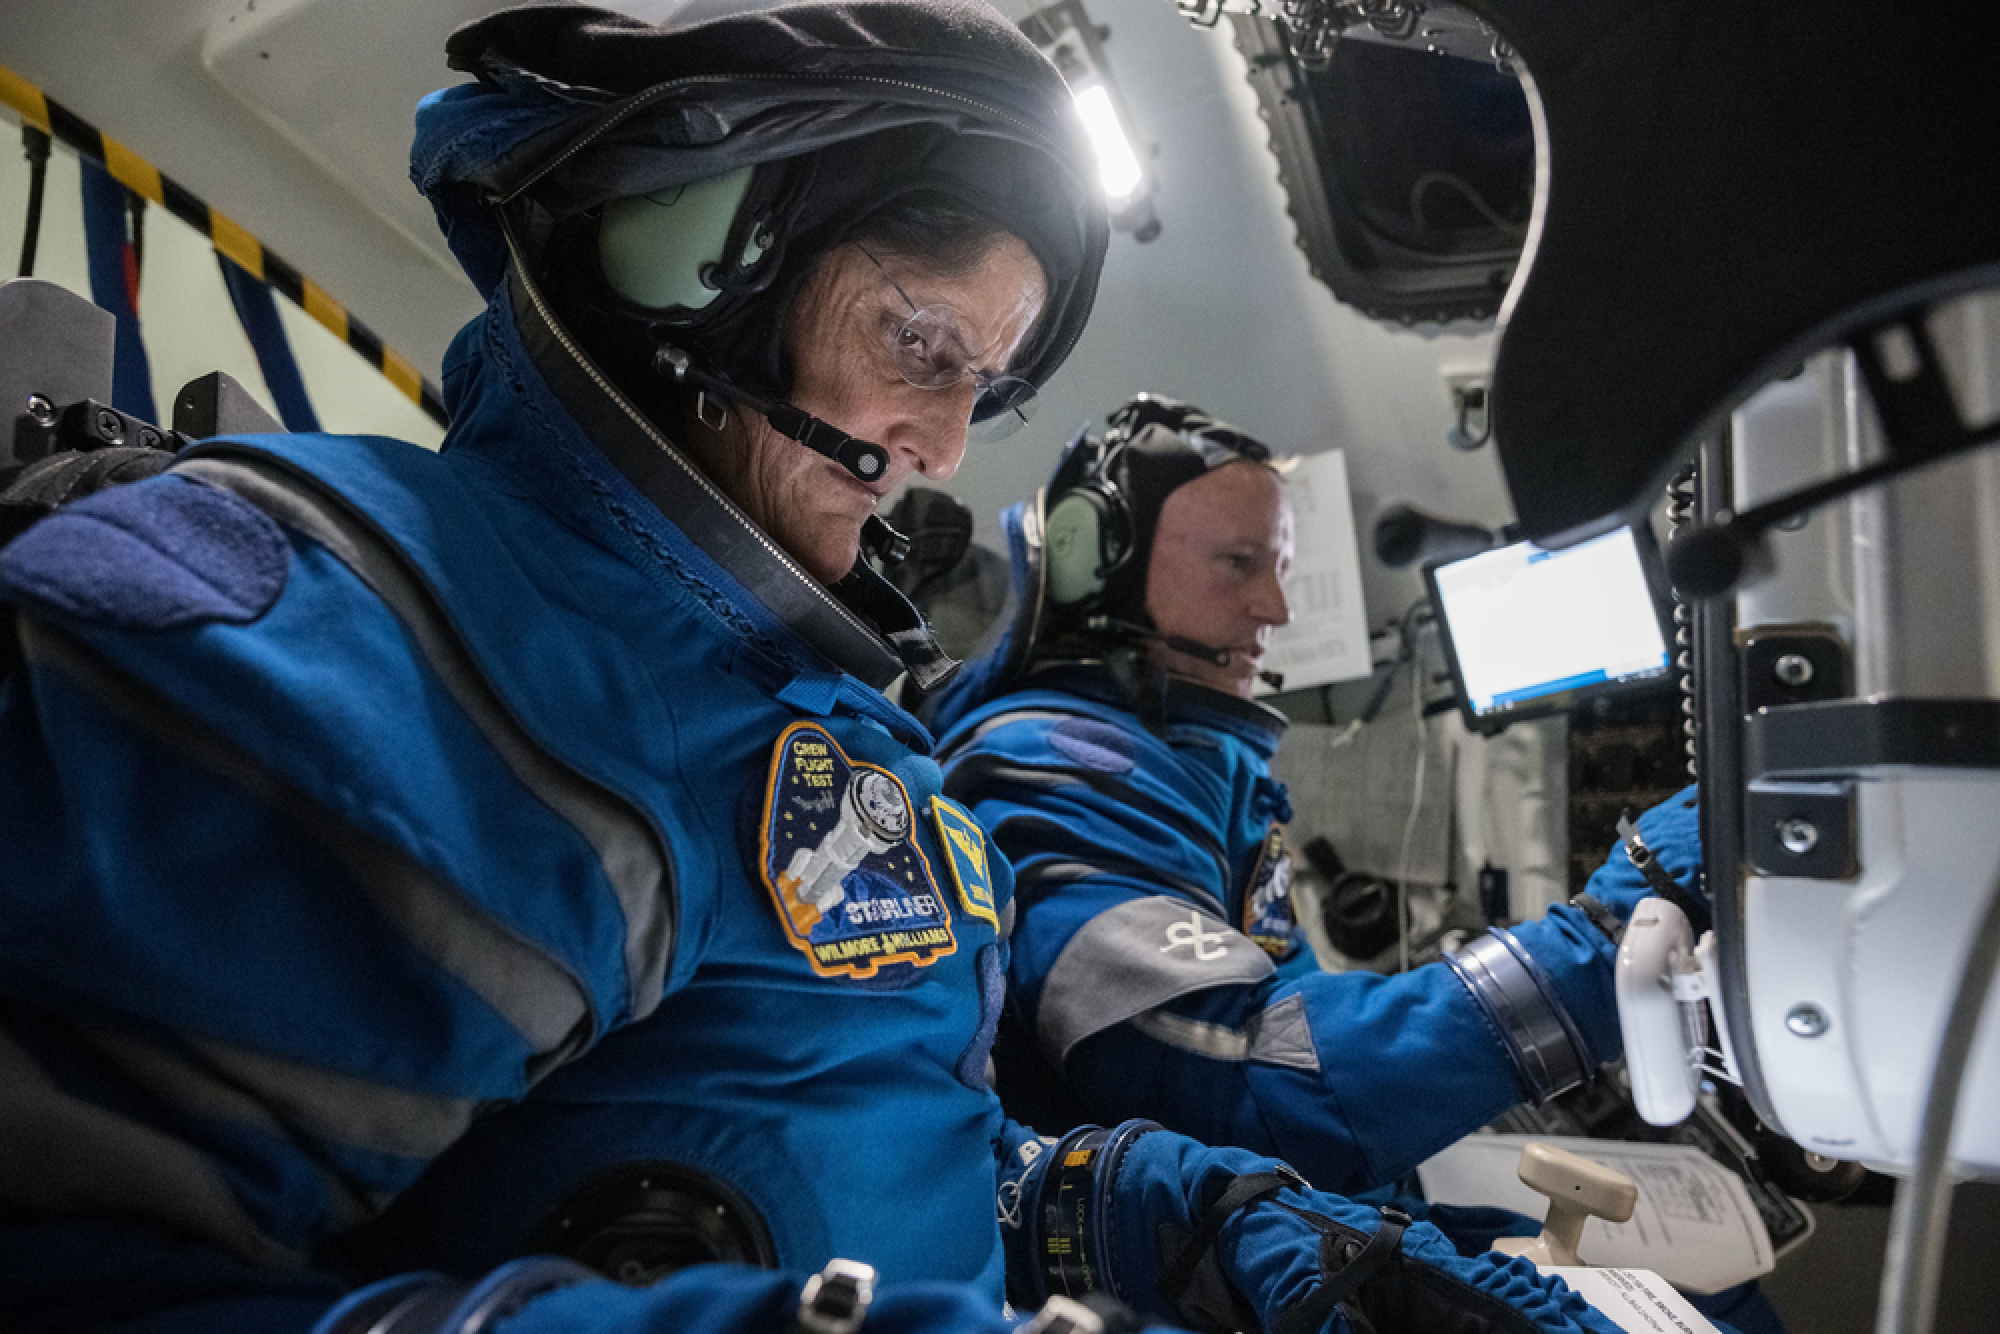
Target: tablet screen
1526,625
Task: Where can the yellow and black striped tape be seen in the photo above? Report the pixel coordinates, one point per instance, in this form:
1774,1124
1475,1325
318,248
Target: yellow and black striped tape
140,176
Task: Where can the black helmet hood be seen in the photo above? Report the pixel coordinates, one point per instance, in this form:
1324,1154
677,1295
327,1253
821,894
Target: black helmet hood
1154,446
577,106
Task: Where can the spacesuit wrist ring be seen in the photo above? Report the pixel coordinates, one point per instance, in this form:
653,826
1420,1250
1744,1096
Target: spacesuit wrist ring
1072,1205
1066,1216
1520,1002
835,1300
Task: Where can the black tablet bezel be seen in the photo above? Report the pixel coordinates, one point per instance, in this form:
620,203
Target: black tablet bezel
1561,701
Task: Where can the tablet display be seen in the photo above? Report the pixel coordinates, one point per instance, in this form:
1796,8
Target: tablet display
1530,631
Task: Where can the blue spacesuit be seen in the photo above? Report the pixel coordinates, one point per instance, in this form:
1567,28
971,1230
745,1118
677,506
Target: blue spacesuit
1156,968
413,864
1155,963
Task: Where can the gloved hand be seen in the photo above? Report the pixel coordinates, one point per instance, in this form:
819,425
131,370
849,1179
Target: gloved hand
1671,832
1310,1261
1224,1239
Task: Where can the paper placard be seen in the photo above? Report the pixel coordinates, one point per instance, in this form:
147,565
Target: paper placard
1636,1300
1694,1222
1327,639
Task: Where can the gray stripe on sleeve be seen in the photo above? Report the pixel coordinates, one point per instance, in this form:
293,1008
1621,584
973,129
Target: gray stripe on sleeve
63,1156
1277,1036
227,1082
1137,956
1217,1042
1038,877
945,757
634,856
529,988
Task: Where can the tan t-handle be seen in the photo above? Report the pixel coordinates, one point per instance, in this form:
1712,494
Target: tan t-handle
1577,1188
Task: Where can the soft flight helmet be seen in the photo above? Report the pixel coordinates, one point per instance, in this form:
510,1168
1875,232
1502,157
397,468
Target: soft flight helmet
1103,504
710,162
1079,552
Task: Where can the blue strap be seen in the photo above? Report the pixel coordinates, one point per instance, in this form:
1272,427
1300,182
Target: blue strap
106,206
823,693
257,311
812,692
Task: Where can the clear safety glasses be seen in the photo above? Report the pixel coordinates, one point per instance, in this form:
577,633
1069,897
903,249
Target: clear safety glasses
930,349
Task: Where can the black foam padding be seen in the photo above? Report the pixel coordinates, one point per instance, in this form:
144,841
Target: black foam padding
1730,187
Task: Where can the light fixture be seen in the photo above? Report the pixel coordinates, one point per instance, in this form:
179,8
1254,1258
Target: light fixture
1065,34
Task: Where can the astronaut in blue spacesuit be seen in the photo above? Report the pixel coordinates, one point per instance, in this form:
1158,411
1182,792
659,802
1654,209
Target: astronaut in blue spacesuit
1113,750
1111,746
472,891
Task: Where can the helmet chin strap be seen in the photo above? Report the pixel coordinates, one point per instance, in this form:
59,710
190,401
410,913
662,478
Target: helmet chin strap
865,459
1193,648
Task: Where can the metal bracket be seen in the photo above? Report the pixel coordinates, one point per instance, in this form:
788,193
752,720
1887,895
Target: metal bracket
1794,664
1801,830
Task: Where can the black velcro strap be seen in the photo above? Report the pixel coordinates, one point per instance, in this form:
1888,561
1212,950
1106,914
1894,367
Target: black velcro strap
1244,1191
1339,1285
1600,916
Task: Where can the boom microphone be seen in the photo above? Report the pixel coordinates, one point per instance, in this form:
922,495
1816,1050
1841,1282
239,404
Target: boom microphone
1194,648
864,458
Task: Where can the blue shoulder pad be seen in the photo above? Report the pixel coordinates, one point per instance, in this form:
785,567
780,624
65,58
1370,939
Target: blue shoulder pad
156,555
1093,744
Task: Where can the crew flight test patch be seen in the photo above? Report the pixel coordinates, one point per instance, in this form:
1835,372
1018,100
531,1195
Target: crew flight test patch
853,889
1268,918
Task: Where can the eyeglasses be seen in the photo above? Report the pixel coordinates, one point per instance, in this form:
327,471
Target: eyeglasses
929,350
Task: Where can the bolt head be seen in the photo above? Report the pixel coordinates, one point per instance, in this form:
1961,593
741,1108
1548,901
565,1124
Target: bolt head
1798,835
43,411
1807,1020
109,428
1794,669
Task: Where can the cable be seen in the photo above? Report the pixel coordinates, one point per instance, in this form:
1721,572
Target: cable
50,117
35,143
1384,681
1914,1259
1471,195
1416,794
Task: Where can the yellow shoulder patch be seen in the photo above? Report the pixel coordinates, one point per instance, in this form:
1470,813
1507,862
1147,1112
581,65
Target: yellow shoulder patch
966,853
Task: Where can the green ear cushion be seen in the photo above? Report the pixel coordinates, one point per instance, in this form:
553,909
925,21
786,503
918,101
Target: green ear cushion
653,247
1073,548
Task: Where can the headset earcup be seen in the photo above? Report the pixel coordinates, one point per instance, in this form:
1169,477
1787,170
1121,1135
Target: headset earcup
1074,538
654,247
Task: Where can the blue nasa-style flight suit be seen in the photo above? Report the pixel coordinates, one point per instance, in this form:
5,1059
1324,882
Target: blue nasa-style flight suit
391,843
1155,963
1156,969
292,904
404,837
383,826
